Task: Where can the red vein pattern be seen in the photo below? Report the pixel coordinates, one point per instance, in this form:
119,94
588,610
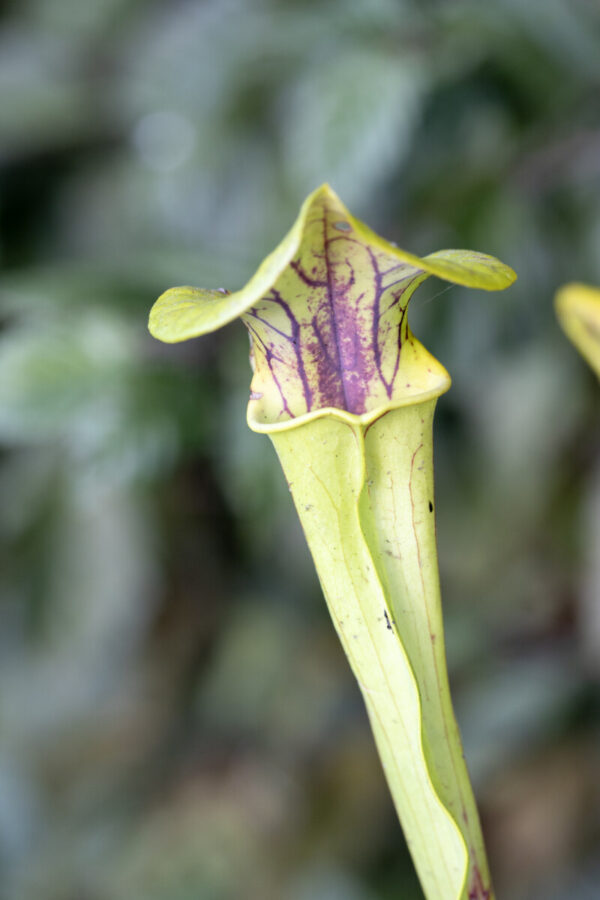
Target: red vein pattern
331,331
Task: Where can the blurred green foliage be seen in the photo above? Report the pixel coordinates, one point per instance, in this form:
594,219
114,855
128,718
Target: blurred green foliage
177,720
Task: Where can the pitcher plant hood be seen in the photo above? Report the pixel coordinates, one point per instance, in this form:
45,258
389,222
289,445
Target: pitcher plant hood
326,311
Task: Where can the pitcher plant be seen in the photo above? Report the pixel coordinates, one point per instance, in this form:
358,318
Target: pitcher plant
578,311
347,395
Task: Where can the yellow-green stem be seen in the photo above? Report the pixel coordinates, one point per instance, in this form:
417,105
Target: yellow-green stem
364,495
347,395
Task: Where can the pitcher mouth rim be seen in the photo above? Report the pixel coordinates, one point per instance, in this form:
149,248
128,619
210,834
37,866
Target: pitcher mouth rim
361,420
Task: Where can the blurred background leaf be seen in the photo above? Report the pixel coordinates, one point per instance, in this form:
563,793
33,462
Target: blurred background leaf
177,720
